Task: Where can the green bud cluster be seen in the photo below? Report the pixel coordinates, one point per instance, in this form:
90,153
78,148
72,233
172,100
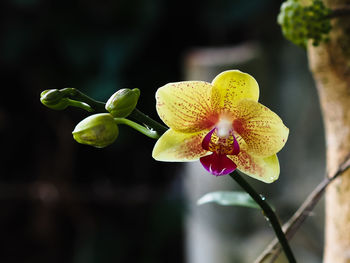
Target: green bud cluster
99,130
300,23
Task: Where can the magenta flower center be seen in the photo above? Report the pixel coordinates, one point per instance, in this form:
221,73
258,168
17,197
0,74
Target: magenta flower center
221,141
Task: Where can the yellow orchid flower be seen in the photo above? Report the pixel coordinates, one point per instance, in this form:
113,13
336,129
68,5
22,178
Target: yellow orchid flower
222,124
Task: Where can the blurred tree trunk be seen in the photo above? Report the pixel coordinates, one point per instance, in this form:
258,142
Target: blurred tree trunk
330,65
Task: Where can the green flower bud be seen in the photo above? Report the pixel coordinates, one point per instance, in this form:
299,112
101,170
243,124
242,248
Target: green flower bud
54,99
123,102
98,130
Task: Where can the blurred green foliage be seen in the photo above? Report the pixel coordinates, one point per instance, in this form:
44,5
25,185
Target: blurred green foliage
300,23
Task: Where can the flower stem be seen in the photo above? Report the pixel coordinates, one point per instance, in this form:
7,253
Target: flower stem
149,122
293,224
146,131
268,212
79,104
75,94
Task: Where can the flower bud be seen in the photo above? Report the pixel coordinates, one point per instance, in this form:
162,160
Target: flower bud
54,99
123,102
98,130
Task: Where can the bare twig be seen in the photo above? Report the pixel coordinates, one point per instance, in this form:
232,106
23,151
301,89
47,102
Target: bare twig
292,225
339,12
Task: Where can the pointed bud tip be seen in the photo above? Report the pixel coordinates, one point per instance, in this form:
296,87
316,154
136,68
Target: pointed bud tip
54,99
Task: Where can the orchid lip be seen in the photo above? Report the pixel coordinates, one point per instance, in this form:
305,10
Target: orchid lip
218,164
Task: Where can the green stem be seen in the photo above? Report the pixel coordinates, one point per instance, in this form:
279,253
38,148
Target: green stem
75,94
268,212
148,132
80,104
149,122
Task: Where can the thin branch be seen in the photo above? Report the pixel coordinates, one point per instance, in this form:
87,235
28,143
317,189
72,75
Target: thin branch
293,224
339,12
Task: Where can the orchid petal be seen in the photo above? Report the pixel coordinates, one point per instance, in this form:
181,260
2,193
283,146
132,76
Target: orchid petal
176,146
218,164
266,169
186,106
261,128
229,87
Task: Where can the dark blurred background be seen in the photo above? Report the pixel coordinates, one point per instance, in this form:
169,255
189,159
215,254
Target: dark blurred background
65,202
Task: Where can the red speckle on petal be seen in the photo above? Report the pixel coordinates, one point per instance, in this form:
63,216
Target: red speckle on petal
193,148
247,164
239,126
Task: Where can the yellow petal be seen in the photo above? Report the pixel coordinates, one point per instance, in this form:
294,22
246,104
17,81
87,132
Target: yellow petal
174,146
262,129
185,106
266,169
229,87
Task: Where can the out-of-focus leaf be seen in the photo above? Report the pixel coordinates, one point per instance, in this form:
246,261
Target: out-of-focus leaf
229,198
